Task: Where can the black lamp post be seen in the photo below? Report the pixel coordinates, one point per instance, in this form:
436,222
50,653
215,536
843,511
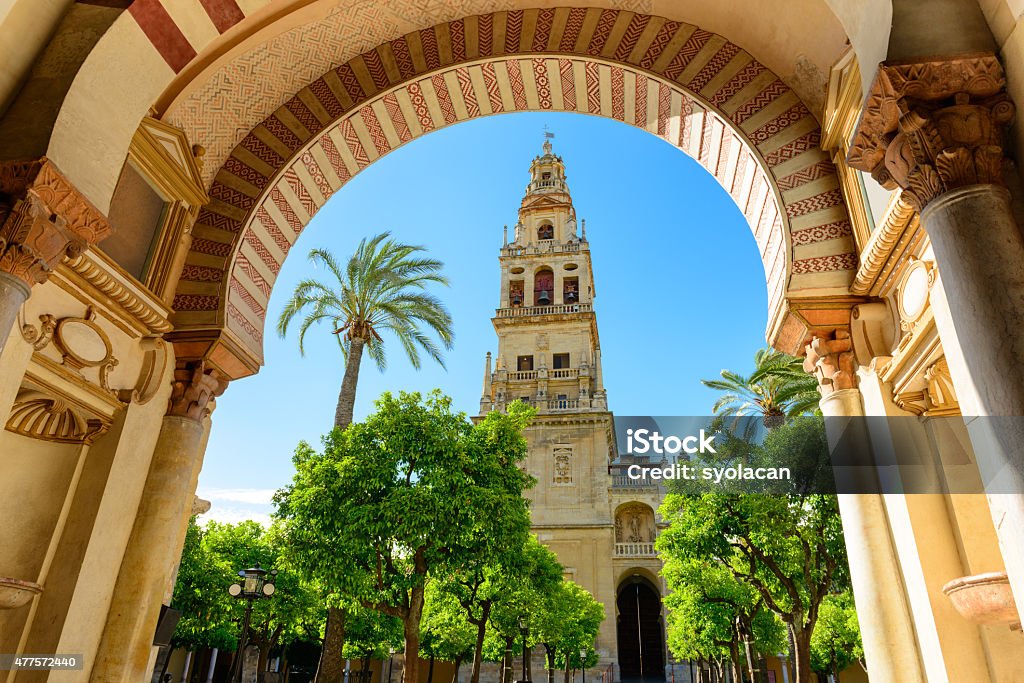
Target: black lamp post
257,583
391,661
583,663
524,630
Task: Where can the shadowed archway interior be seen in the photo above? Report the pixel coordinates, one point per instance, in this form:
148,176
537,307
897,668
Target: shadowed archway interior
639,630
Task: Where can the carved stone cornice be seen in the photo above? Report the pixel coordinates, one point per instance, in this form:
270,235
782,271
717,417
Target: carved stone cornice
884,241
43,218
933,126
193,390
92,271
831,359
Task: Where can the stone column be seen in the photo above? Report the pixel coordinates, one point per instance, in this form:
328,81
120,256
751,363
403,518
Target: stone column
42,219
154,547
936,129
887,630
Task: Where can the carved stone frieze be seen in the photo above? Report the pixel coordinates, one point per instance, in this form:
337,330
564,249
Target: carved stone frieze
38,415
194,388
831,359
43,218
933,126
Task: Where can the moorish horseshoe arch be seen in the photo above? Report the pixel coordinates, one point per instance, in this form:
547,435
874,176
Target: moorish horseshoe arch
690,87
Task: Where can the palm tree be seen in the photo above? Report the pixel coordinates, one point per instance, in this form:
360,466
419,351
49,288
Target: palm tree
777,388
381,290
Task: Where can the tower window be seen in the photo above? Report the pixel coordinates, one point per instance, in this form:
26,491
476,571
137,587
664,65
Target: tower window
560,361
546,176
543,287
546,232
524,363
571,290
515,293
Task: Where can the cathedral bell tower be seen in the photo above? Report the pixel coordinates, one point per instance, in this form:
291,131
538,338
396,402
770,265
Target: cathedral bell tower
549,356
549,353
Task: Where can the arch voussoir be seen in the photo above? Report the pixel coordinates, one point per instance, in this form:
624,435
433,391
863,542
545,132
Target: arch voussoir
692,88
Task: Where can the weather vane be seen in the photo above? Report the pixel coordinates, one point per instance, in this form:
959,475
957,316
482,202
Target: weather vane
547,133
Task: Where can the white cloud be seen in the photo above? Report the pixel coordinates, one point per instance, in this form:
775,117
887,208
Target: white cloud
250,496
227,515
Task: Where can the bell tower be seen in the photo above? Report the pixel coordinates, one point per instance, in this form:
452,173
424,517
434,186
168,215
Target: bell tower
549,356
549,353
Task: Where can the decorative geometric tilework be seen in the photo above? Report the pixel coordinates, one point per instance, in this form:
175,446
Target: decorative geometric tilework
820,233
629,39
824,264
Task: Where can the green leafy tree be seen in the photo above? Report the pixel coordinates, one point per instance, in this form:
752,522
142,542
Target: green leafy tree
381,289
445,631
788,549
569,620
200,593
712,615
277,620
836,643
777,388
415,490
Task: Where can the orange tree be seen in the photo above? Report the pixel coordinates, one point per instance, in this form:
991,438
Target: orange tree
415,491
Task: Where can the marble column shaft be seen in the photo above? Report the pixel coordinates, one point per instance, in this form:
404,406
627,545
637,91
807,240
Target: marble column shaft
887,631
156,540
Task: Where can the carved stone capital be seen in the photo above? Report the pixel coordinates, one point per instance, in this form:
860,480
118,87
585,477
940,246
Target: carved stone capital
194,388
43,218
933,126
831,359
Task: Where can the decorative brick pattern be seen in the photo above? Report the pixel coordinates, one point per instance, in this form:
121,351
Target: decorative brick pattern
602,31
629,39
265,240
618,79
568,77
806,175
821,233
815,203
542,33
824,264
194,273
711,69
542,83
661,40
779,123
741,80
686,53
573,26
443,98
771,92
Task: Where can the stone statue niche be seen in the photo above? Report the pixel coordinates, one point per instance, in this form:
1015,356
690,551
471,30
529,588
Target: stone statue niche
634,523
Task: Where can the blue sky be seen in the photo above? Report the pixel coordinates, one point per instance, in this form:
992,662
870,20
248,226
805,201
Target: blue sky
681,289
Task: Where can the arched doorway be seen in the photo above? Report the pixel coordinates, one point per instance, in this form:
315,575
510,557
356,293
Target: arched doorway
639,630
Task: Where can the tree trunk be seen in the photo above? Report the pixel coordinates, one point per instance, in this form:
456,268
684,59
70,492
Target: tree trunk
734,662
430,670
261,666
567,669
458,664
411,626
481,631
835,672
551,662
347,395
332,667
802,655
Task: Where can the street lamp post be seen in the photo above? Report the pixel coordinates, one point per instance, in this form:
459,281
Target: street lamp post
524,630
391,661
583,663
257,583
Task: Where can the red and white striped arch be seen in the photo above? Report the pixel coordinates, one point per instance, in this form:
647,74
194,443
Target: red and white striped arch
692,88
